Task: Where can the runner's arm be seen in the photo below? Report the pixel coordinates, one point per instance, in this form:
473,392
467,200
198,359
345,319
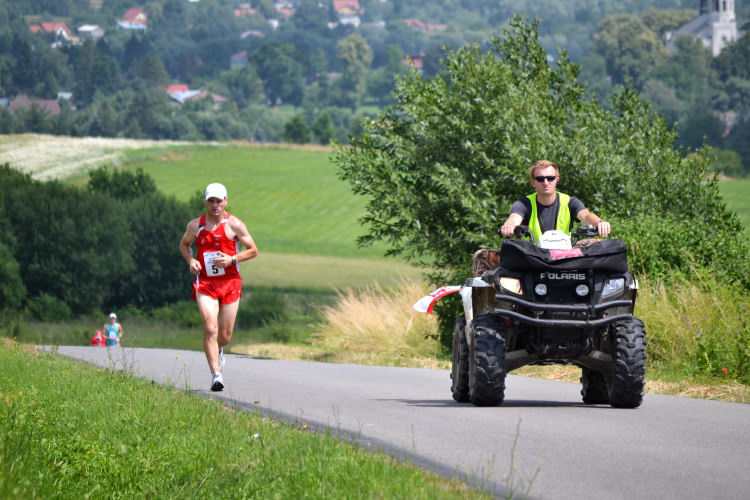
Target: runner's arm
243,236
186,246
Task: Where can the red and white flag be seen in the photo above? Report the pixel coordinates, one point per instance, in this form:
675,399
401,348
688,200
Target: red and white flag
426,303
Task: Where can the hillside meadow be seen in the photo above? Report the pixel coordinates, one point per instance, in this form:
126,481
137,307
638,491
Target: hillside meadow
736,193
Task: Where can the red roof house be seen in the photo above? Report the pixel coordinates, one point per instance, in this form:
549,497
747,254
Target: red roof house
135,15
49,106
52,28
350,4
177,87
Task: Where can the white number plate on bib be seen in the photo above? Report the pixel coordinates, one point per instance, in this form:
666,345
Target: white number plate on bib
211,268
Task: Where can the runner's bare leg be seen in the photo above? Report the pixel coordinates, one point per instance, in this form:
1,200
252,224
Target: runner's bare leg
227,317
209,309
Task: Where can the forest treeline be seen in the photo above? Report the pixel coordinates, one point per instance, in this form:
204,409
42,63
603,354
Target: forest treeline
327,75
67,250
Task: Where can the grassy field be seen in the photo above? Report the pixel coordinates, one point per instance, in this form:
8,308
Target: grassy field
103,439
290,199
736,192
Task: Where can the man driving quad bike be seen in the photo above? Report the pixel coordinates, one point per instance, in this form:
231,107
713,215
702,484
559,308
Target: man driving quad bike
545,301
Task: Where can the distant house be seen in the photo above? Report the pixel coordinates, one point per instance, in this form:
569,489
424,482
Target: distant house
52,28
255,33
177,87
243,10
350,20
238,60
90,31
134,19
348,12
426,28
180,94
59,32
414,60
49,106
715,26
216,98
351,5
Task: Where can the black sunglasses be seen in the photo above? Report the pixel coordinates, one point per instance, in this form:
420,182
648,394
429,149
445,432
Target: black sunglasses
541,178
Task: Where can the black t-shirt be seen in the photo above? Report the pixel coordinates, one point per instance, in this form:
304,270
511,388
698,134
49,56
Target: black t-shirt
547,214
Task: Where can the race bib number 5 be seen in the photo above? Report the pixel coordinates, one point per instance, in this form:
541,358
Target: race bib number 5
211,268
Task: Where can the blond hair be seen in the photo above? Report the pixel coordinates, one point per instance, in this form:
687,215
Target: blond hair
543,164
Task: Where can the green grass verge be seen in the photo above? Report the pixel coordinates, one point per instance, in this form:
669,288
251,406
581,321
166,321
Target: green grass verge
70,430
735,193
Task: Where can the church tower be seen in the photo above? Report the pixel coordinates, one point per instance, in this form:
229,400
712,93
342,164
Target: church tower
715,25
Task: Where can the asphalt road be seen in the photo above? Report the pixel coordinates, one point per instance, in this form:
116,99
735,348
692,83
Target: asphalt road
551,444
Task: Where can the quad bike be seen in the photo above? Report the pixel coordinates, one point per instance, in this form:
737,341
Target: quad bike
565,305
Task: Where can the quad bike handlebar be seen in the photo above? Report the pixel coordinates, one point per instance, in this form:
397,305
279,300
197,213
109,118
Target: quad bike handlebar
587,231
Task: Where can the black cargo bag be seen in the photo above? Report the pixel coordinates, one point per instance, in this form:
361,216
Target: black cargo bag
605,255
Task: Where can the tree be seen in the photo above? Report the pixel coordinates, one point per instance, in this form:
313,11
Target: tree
58,257
24,74
660,21
105,75
441,167
323,128
151,70
700,128
281,73
310,16
686,70
356,56
629,47
161,277
106,121
54,72
84,90
12,289
296,130
734,60
243,84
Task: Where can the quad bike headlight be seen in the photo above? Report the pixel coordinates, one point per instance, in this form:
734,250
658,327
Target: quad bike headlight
582,290
613,286
540,289
513,285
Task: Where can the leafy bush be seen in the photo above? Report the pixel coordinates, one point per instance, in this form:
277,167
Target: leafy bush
12,289
45,307
184,314
261,307
662,245
75,244
156,225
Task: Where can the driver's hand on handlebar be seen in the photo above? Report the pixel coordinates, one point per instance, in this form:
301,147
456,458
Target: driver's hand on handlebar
602,227
508,228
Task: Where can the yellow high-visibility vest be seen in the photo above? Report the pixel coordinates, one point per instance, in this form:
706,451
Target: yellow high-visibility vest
563,216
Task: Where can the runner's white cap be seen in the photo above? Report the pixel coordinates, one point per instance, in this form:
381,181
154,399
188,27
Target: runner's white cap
216,190
112,316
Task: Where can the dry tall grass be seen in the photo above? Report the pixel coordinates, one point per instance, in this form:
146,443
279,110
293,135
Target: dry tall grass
377,326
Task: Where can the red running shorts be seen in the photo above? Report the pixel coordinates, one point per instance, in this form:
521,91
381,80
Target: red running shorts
225,291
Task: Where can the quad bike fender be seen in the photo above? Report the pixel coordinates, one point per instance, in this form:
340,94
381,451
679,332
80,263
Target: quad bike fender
478,297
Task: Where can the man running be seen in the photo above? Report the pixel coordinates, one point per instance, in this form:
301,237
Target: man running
217,235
